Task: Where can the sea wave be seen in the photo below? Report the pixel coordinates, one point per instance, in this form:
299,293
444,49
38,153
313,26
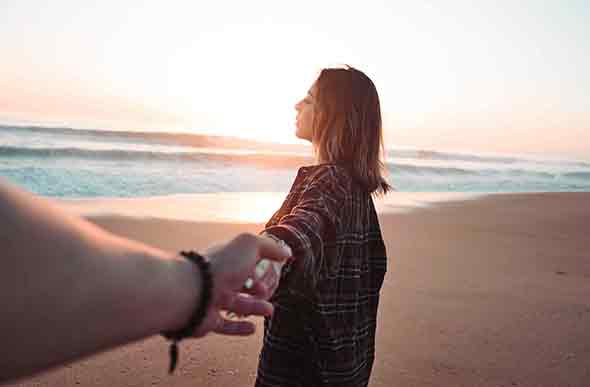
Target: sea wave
449,156
195,140
578,175
277,161
422,154
511,173
271,159
150,137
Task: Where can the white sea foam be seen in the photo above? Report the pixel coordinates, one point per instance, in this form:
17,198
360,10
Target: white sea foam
92,163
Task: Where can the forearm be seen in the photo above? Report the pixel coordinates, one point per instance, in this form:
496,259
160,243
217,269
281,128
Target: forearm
69,289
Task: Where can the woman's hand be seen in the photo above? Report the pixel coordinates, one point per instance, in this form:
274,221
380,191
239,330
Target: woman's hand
270,275
232,263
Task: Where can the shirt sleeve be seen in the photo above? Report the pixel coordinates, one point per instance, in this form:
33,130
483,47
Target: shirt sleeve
311,222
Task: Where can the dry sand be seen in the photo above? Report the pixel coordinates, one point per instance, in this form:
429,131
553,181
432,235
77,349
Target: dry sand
488,292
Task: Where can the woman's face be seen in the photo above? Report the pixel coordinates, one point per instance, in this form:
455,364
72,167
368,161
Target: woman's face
305,114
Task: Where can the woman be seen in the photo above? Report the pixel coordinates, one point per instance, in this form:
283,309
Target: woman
322,331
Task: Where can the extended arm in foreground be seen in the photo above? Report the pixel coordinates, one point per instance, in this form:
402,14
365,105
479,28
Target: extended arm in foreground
69,289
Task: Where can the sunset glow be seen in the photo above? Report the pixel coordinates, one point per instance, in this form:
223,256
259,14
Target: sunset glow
242,207
490,77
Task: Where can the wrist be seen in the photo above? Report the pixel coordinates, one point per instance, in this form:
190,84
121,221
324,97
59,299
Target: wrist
282,244
276,239
201,309
186,283
143,290
281,237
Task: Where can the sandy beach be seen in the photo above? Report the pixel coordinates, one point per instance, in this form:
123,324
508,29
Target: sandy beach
487,292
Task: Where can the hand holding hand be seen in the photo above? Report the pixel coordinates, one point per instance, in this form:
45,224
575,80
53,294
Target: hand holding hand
232,263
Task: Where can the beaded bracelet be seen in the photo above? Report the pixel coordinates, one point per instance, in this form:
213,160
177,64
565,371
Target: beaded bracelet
200,311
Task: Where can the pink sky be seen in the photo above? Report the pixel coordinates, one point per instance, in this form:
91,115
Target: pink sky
499,77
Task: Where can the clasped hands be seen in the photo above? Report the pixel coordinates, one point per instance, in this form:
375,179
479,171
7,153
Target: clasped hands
237,287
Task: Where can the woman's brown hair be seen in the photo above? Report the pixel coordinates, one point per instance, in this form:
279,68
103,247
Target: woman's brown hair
347,126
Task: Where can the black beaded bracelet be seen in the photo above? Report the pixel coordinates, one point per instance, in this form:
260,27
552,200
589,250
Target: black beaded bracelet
201,310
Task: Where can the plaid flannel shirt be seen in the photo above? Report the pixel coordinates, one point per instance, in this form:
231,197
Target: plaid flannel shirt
322,332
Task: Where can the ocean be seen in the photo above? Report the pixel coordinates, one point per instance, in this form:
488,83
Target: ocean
71,163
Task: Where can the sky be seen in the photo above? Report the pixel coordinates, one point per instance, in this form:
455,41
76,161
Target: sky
487,76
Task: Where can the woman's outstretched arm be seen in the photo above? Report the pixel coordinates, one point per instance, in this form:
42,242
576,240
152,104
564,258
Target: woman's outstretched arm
69,289
306,228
